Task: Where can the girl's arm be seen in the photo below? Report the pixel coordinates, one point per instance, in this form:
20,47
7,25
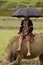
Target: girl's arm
21,26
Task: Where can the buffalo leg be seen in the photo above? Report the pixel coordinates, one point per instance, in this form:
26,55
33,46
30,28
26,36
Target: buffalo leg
41,59
17,61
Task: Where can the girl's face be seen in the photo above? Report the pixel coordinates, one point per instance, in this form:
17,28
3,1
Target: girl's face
26,18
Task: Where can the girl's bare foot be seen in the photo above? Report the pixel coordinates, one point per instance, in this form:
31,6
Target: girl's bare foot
18,50
28,54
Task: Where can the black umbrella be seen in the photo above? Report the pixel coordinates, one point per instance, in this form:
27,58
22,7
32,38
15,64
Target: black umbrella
30,12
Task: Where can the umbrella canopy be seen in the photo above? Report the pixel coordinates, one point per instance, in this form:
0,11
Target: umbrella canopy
30,12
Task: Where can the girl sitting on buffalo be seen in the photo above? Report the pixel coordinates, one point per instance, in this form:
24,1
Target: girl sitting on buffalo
26,29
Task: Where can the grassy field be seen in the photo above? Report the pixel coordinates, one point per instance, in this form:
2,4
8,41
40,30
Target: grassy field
7,7
7,34
9,12
5,12
15,22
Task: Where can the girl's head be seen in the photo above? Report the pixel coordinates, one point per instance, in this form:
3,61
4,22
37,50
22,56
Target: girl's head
26,18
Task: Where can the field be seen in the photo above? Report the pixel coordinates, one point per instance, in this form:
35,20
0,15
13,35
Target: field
20,3
7,7
8,29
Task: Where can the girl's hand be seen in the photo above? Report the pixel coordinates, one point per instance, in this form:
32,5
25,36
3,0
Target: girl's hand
20,34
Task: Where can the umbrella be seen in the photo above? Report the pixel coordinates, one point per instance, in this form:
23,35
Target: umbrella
30,12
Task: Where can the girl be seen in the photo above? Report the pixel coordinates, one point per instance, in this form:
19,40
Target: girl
26,29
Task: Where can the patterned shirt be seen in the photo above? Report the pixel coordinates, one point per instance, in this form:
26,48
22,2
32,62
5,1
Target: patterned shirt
26,23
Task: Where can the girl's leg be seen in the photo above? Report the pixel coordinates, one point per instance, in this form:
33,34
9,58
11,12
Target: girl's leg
28,47
20,43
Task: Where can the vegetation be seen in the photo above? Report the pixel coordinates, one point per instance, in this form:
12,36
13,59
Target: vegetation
6,12
20,3
5,36
15,22
7,7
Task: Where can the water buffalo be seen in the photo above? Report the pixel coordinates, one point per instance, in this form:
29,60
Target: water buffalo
12,57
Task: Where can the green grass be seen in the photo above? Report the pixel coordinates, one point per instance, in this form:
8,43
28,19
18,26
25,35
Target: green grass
38,31
15,22
5,12
5,36
9,12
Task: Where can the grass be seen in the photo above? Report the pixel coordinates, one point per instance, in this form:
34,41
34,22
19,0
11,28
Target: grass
5,36
15,22
5,12
9,12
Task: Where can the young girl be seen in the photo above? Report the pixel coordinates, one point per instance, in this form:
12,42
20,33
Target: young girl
26,29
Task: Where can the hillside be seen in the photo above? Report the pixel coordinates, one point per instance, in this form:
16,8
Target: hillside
20,3
7,7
